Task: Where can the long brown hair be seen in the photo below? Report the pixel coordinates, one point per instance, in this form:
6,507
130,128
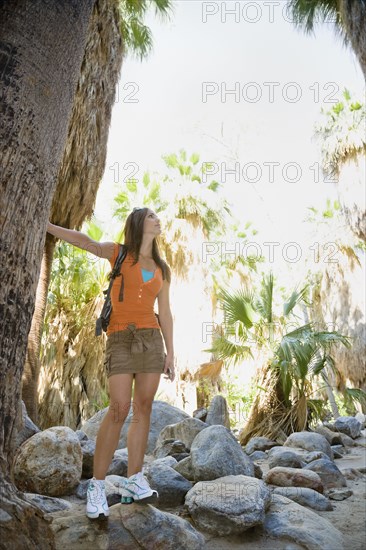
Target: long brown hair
133,232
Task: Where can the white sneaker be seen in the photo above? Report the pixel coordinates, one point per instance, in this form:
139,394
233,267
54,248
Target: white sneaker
136,489
97,505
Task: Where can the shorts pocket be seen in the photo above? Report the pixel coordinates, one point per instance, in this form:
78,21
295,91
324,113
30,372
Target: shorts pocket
107,363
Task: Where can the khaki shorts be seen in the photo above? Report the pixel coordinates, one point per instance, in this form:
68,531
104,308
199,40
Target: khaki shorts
134,350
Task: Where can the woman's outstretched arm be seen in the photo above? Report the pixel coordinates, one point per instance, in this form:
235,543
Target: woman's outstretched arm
76,238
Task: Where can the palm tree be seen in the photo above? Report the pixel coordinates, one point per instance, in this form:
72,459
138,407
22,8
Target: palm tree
348,16
116,28
286,359
38,82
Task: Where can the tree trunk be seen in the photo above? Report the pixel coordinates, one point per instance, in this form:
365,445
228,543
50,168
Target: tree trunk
42,45
32,362
354,18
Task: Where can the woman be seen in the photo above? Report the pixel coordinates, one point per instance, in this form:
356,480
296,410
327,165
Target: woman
134,350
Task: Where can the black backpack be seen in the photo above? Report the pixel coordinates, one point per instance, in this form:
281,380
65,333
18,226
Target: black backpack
103,320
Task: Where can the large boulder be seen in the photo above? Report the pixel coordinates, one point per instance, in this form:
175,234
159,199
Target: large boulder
185,430
286,519
229,505
49,463
48,505
328,472
170,484
310,441
216,453
162,414
294,477
348,425
129,527
283,456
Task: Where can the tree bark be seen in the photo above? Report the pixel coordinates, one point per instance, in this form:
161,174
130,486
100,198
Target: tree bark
41,50
32,363
354,18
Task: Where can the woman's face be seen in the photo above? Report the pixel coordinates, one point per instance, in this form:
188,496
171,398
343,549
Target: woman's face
152,223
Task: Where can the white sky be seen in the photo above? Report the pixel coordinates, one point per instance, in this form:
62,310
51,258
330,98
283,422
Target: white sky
170,114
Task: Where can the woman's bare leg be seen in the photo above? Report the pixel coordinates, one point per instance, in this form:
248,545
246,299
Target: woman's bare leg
146,385
120,391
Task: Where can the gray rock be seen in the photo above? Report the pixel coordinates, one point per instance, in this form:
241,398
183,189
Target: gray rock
339,494
169,447
289,520
218,412
179,456
348,425
294,477
332,437
81,490
185,430
228,505
216,453
282,456
24,428
338,451
328,472
167,460
49,462
88,450
48,504
258,472
81,435
185,468
258,455
162,414
200,413
362,419
309,441
129,527
118,466
347,441
305,497
353,473
170,484
259,444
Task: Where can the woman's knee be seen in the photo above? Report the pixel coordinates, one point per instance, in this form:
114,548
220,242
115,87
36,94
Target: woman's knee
118,411
142,406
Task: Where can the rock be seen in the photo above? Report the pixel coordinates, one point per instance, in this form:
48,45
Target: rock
48,504
162,414
88,450
218,413
49,463
339,494
82,489
348,425
309,441
185,430
27,428
167,460
216,453
129,527
294,477
280,456
185,468
352,473
81,435
286,519
169,447
362,419
170,484
332,437
118,466
179,456
258,473
305,497
328,472
258,455
259,444
347,441
200,413
338,451
228,505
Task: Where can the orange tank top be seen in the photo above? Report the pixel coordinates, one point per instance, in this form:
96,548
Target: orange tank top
138,301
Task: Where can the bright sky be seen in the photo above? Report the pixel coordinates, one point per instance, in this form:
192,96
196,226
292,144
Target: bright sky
206,48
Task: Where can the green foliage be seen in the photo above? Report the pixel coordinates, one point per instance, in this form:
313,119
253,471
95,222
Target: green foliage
136,35
239,399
